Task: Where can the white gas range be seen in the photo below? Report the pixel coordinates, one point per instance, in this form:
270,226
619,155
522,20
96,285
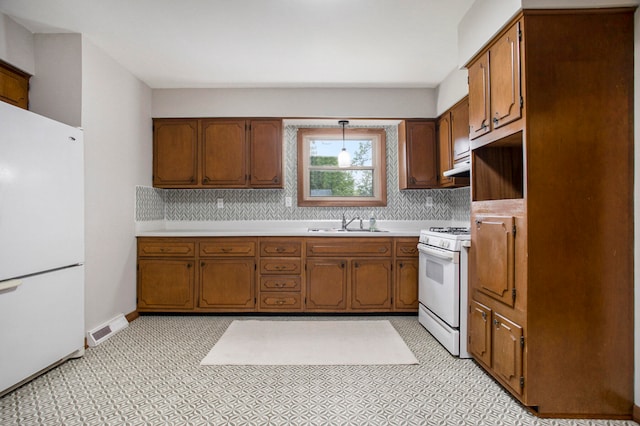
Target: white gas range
442,289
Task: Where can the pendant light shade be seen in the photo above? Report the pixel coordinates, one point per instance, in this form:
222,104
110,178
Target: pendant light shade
344,159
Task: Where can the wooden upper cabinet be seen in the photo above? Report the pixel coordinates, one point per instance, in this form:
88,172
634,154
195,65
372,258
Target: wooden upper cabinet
453,143
495,92
175,153
417,154
504,58
265,139
460,130
224,153
217,153
444,148
479,107
14,86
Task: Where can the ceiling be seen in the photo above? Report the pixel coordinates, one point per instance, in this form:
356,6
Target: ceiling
263,43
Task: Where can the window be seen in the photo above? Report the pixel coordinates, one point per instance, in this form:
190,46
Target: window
321,182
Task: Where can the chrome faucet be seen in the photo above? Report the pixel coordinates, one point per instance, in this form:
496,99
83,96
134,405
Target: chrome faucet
346,223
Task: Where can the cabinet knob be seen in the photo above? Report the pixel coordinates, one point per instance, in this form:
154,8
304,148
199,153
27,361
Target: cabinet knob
484,316
495,120
402,265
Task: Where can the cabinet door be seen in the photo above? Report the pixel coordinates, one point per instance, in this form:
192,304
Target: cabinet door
326,285
227,284
14,86
493,257
460,131
266,153
507,351
406,285
175,153
444,147
505,78
165,284
371,285
224,154
480,332
479,106
418,156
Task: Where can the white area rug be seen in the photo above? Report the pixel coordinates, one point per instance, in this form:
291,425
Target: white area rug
257,342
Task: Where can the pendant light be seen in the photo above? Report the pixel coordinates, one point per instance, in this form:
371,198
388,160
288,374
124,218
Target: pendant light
344,159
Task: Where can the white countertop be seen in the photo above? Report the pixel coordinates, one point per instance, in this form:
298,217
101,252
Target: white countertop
298,228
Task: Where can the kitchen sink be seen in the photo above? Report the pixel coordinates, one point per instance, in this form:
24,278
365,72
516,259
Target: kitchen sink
340,230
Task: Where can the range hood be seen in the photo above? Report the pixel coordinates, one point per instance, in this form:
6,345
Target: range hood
459,169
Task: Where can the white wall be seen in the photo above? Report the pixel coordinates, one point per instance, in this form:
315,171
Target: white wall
352,103
116,111
16,45
453,88
56,87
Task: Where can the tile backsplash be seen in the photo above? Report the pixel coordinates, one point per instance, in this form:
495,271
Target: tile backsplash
269,204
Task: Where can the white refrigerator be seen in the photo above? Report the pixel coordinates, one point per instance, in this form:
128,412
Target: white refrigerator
41,244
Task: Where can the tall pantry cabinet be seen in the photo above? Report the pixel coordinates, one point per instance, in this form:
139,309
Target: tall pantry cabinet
551,262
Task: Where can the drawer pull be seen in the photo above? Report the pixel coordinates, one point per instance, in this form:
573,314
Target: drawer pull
9,284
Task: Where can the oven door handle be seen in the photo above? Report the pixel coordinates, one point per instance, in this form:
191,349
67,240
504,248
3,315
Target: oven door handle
442,254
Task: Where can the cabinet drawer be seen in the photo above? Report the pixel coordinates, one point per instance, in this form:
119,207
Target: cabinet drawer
280,248
280,266
368,247
275,283
227,248
164,248
285,301
407,248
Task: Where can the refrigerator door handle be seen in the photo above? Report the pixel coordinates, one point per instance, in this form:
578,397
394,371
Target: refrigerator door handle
9,284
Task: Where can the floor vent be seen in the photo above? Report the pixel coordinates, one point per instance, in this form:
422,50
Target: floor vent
106,330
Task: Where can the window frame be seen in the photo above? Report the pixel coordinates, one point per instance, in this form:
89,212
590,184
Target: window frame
379,156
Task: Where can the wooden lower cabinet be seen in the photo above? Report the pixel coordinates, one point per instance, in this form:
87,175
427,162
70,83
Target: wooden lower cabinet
277,274
227,284
479,343
165,284
280,271
326,285
498,343
371,285
508,342
406,275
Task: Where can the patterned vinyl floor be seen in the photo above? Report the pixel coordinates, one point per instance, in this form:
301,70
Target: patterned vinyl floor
149,374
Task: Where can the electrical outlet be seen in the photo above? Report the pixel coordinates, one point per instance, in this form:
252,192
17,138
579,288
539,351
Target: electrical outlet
287,201
429,202
220,203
